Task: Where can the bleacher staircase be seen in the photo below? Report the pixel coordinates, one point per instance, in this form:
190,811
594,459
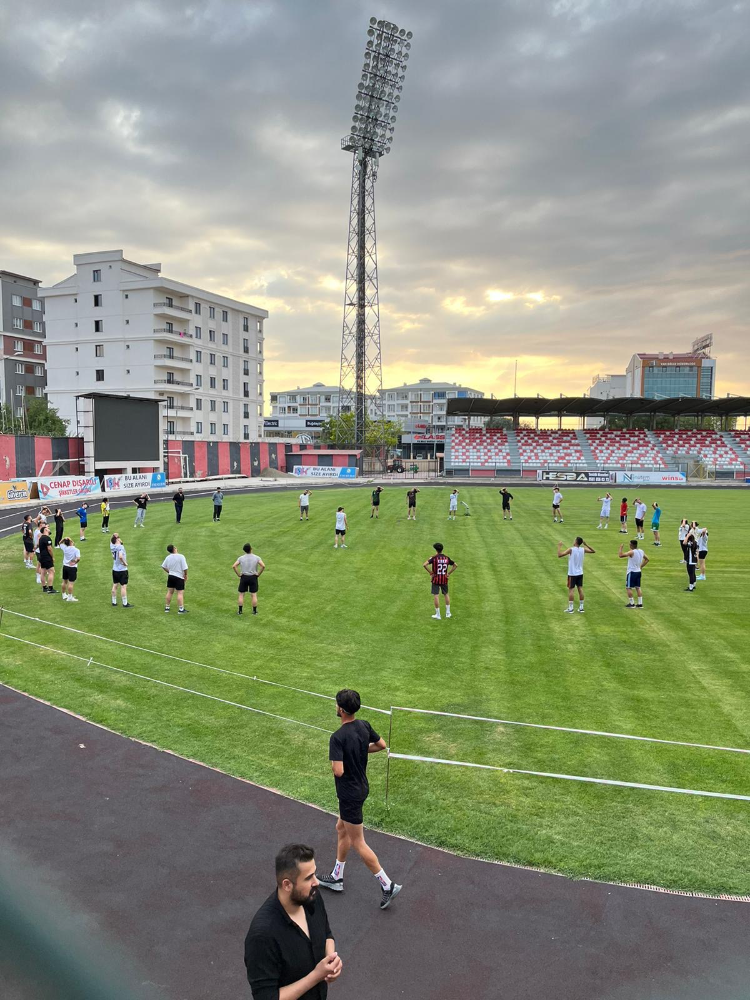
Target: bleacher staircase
588,454
668,461
515,454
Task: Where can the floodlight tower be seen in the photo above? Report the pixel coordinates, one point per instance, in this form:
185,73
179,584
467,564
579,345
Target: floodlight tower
370,136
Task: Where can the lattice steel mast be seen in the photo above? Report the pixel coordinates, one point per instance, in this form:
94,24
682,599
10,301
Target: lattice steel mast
371,135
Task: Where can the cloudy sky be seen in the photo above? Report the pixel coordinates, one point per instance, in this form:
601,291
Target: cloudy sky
568,182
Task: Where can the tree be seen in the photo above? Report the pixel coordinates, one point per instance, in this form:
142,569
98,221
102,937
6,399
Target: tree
39,419
500,423
339,432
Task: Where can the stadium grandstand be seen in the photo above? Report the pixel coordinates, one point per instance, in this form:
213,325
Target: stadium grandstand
520,450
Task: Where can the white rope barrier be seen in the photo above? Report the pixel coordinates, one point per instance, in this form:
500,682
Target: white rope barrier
182,659
175,687
572,777
566,729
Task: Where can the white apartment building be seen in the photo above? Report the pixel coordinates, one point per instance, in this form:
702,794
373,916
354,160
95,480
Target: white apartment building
303,411
420,408
120,327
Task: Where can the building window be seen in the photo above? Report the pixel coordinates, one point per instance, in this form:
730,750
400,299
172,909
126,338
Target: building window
225,429
38,349
99,374
246,411
169,301
211,312
39,390
245,432
224,316
225,407
170,352
246,390
17,300
260,347
225,339
212,428
212,382
197,308
198,427
199,404
197,332
224,361
37,326
19,390
20,369
260,327
97,301
36,304
245,346
245,367
225,384
245,325
17,323
199,355
212,405
212,359
260,370
17,345
39,369
99,350
96,275
198,381
170,427
212,336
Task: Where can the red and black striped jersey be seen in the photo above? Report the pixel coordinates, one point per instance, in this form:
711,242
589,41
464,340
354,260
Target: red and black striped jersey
440,564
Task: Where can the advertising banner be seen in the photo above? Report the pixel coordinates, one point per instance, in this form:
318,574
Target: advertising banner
650,477
314,423
15,492
67,487
268,422
574,476
140,481
325,471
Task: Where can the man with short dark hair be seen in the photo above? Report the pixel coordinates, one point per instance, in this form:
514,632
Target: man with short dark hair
440,568
375,512
141,504
176,568
411,503
637,560
290,953
575,555
248,568
27,534
349,748
178,500
120,573
218,502
507,497
46,561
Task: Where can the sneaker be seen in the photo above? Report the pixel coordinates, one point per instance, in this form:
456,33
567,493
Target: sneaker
436,617
682,562
569,611
73,599
388,895
114,604
344,546
182,611
689,590
65,597
448,614
51,590
581,611
128,605
598,527
167,610
562,520
640,607
329,882
631,606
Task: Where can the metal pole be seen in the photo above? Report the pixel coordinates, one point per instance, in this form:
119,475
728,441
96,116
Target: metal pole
388,759
360,351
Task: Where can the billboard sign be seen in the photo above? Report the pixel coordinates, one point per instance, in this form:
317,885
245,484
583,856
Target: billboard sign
314,423
325,471
574,476
650,477
268,422
136,481
17,491
67,487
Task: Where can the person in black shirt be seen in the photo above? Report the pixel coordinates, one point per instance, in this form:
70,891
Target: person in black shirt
290,953
141,504
348,750
59,530
27,534
178,500
46,562
375,512
411,499
507,497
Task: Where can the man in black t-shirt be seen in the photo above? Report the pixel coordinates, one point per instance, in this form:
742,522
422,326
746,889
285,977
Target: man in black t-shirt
178,500
375,512
27,533
507,497
46,562
348,750
411,499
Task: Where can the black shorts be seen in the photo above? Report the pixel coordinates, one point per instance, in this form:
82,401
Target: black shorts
28,545
120,576
555,506
175,583
702,553
623,518
46,563
506,506
84,524
341,531
248,585
70,573
639,522
350,810
375,503
632,580
412,503
440,588
575,581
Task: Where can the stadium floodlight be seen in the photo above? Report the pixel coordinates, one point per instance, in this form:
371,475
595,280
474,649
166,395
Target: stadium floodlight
376,106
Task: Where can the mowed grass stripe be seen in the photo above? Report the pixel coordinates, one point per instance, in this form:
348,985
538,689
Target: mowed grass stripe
361,618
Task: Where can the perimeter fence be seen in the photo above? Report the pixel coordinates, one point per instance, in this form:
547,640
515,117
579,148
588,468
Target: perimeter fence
420,737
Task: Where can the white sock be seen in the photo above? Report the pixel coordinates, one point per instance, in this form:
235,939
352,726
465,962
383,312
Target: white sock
580,606
640,602
570,605
124,603
437,614
338,869
383,879
38,578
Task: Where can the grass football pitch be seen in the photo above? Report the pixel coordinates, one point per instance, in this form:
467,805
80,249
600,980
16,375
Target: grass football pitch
360,617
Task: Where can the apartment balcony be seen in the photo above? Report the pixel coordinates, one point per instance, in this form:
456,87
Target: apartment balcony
177,433
173,381
190,408
162,332
172,359
167,309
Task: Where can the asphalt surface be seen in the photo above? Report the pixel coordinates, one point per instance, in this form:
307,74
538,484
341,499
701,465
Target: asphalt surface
169,860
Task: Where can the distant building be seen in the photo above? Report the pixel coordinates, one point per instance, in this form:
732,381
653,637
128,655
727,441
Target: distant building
420,408
23,353
604,387
119,327
301,412
666,374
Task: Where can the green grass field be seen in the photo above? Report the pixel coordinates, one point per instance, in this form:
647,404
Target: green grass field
361,618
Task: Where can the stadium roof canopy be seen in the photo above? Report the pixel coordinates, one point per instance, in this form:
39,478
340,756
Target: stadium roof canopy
584,406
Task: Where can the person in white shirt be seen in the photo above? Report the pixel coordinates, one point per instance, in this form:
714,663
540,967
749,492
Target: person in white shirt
637,559
702,539
176,568
341,526
557,499
248,568
640,513
120,575
304,505
71,558
453,505
575,555
683,532
606,502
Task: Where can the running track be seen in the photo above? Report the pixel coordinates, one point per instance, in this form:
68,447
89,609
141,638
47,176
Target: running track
170,860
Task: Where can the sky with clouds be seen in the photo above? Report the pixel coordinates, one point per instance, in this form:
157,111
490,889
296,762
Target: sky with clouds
568,182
